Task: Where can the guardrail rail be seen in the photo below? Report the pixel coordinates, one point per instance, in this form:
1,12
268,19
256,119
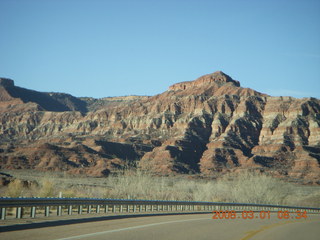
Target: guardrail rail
32,207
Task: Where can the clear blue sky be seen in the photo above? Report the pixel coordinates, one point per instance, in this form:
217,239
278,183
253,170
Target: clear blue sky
122,47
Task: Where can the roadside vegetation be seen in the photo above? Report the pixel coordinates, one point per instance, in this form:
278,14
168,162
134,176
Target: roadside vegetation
243,187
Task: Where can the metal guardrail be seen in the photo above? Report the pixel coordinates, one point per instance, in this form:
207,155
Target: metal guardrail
31,207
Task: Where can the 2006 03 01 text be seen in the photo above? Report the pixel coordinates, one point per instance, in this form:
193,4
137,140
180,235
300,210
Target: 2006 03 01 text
258,215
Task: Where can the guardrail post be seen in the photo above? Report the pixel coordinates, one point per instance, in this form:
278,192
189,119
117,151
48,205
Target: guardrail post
80,209
18,212
128,208
3,213
151,208
59,210
121,208
106,208
134,208
89,209
98,209
114,208
33,212
70,210
46,211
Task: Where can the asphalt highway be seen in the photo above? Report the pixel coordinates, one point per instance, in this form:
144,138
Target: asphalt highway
175,227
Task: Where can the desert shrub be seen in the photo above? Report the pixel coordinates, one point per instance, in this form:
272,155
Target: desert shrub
47,189
15,188
246,187
254,187
135,185
310,199
68,193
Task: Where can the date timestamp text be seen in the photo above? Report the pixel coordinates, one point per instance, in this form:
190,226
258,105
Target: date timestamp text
258,215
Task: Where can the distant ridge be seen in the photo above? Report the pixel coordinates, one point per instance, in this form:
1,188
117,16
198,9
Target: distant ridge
209,126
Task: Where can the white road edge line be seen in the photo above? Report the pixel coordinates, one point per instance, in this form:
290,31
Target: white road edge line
129,228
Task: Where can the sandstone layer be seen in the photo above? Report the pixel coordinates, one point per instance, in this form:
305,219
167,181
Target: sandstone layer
207,126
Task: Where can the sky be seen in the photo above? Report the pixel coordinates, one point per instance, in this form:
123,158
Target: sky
101,48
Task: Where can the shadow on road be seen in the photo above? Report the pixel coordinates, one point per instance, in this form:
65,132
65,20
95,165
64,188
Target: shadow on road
54,223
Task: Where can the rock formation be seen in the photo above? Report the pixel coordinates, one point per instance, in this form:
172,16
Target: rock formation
207,126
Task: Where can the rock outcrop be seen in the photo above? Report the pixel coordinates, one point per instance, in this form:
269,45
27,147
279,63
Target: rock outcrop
207,126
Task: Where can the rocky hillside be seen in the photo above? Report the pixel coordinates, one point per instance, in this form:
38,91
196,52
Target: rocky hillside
207,126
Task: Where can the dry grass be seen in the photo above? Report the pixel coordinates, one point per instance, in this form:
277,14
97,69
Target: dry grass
47,188
256,188
245,187
15,188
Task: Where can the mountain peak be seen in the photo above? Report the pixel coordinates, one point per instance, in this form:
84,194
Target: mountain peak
217,77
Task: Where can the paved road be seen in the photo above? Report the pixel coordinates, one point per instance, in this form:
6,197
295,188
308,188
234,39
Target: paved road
175,227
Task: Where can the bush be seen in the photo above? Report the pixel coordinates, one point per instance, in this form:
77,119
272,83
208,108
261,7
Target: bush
47,189
254,187
15,188
242,187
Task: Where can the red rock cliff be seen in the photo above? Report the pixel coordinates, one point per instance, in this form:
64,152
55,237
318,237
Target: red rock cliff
208,126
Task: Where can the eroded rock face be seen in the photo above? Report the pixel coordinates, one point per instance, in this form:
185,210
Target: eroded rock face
207,126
